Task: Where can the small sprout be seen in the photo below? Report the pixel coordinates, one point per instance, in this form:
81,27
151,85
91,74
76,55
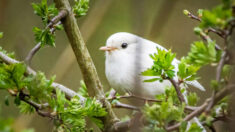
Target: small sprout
226,72
214,84
199,12
186,12
197,30
1,34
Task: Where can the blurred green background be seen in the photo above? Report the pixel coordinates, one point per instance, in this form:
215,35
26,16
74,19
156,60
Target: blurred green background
161,21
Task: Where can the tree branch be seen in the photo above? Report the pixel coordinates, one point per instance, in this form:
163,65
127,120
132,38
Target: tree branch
177,89
84,60
50,26
68,92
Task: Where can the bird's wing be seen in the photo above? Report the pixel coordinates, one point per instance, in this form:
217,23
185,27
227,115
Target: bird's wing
150,48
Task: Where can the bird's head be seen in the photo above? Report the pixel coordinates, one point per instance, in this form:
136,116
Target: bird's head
120,42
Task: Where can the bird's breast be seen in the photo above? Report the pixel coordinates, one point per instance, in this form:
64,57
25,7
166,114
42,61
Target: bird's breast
120,73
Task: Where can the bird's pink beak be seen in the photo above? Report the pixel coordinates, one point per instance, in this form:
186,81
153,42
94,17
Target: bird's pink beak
107,48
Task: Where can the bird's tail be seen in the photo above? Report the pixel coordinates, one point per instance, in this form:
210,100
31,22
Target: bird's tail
196,84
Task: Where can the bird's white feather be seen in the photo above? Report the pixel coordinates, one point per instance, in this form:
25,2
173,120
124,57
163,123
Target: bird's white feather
124,66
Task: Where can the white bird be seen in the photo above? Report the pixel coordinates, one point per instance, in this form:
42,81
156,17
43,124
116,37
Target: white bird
127,55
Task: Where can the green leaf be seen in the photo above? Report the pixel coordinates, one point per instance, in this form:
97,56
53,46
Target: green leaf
12,76
26,108
215,85
150,72
18,74
83,89
5,77
60,100
152,80
1,34
98,122
45,37
6,125
74,115
44,11
200,12
17,100
187,72
59,27
28,130
202,54
183,126
194,128
38,9
6,101
39,87
226,71
192,99
11,55
218,17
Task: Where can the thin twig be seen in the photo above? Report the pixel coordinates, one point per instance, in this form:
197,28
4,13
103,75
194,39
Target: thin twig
112,94
32,52
227,90
133,96
177,89
54,21
220,33
126,106
57,18
218,76
112,97
121,126
36,106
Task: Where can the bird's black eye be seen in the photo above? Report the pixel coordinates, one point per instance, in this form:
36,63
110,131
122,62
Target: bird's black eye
124,45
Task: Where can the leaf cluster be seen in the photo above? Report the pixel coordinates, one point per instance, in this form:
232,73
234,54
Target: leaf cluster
11,55
219,17
73,116
11,76
202,54
39,90
81,7
44,11
169,110
187,72
45,36
162,66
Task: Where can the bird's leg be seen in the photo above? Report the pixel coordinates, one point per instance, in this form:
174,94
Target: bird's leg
112,94
145,99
